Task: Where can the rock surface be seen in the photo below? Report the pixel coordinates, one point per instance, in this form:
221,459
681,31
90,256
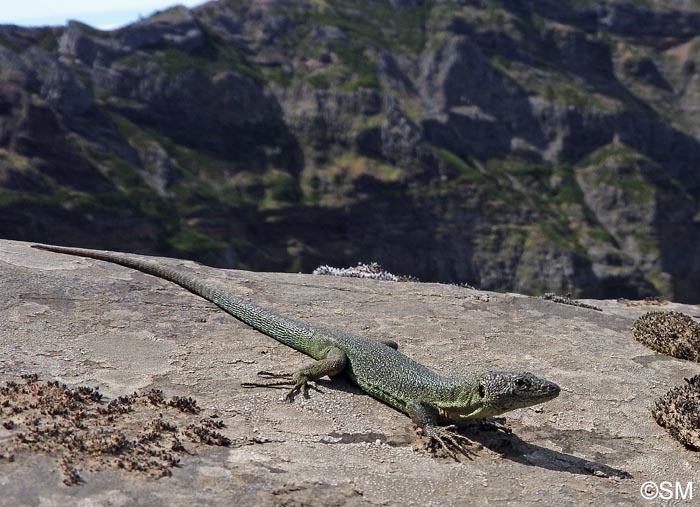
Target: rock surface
544,145
88,323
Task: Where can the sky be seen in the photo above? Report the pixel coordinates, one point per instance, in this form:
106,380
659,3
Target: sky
103,14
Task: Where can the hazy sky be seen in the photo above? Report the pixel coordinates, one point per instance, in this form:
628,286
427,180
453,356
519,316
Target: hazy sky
104,14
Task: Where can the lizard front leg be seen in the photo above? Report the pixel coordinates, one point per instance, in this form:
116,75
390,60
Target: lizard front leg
425,416
332,364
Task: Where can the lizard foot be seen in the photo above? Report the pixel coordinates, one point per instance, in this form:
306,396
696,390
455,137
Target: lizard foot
299,384
452,443
497,424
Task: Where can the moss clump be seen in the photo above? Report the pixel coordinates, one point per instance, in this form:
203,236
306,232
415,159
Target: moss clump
671,333
679,412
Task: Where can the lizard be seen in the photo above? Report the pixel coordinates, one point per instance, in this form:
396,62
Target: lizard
434,402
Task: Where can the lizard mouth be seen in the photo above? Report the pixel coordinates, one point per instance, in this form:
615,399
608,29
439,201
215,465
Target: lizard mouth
550,390
468,412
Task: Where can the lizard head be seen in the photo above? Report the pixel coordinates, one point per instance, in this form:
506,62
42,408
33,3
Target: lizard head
497,392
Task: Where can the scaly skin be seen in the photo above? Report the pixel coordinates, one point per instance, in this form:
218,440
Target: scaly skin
375,366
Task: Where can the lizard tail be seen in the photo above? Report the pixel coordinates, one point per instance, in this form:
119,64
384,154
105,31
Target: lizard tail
283,329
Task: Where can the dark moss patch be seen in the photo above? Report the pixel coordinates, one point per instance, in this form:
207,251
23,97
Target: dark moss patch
679,412
670,333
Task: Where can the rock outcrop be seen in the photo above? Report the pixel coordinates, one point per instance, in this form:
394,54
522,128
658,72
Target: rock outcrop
90,324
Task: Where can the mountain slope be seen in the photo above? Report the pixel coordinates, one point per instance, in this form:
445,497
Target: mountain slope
531,146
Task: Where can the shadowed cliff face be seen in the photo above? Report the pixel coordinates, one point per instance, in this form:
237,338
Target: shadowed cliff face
514,145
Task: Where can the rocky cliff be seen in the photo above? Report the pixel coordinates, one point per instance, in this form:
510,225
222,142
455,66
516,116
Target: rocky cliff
537,145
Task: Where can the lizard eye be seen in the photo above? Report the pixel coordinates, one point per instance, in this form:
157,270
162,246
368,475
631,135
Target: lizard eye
482,391
519,382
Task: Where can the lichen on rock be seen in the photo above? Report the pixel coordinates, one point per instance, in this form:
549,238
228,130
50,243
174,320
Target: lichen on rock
679,412
671,333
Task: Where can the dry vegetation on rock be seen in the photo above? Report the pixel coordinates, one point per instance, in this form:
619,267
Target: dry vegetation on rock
143,434
679,412
671,333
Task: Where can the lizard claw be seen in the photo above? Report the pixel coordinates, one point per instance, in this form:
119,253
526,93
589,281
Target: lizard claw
272,385
299,383
449,440
495,424
271,374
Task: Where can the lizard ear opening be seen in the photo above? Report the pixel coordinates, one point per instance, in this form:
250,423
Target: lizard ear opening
482,390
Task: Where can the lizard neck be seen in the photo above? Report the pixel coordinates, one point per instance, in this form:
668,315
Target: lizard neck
457,398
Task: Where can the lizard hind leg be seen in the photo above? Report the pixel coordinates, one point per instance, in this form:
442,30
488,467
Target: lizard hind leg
332,364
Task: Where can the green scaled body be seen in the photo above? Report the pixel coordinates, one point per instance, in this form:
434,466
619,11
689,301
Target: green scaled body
375,366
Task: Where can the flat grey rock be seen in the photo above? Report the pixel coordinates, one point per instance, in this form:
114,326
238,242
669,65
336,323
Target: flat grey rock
88,323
